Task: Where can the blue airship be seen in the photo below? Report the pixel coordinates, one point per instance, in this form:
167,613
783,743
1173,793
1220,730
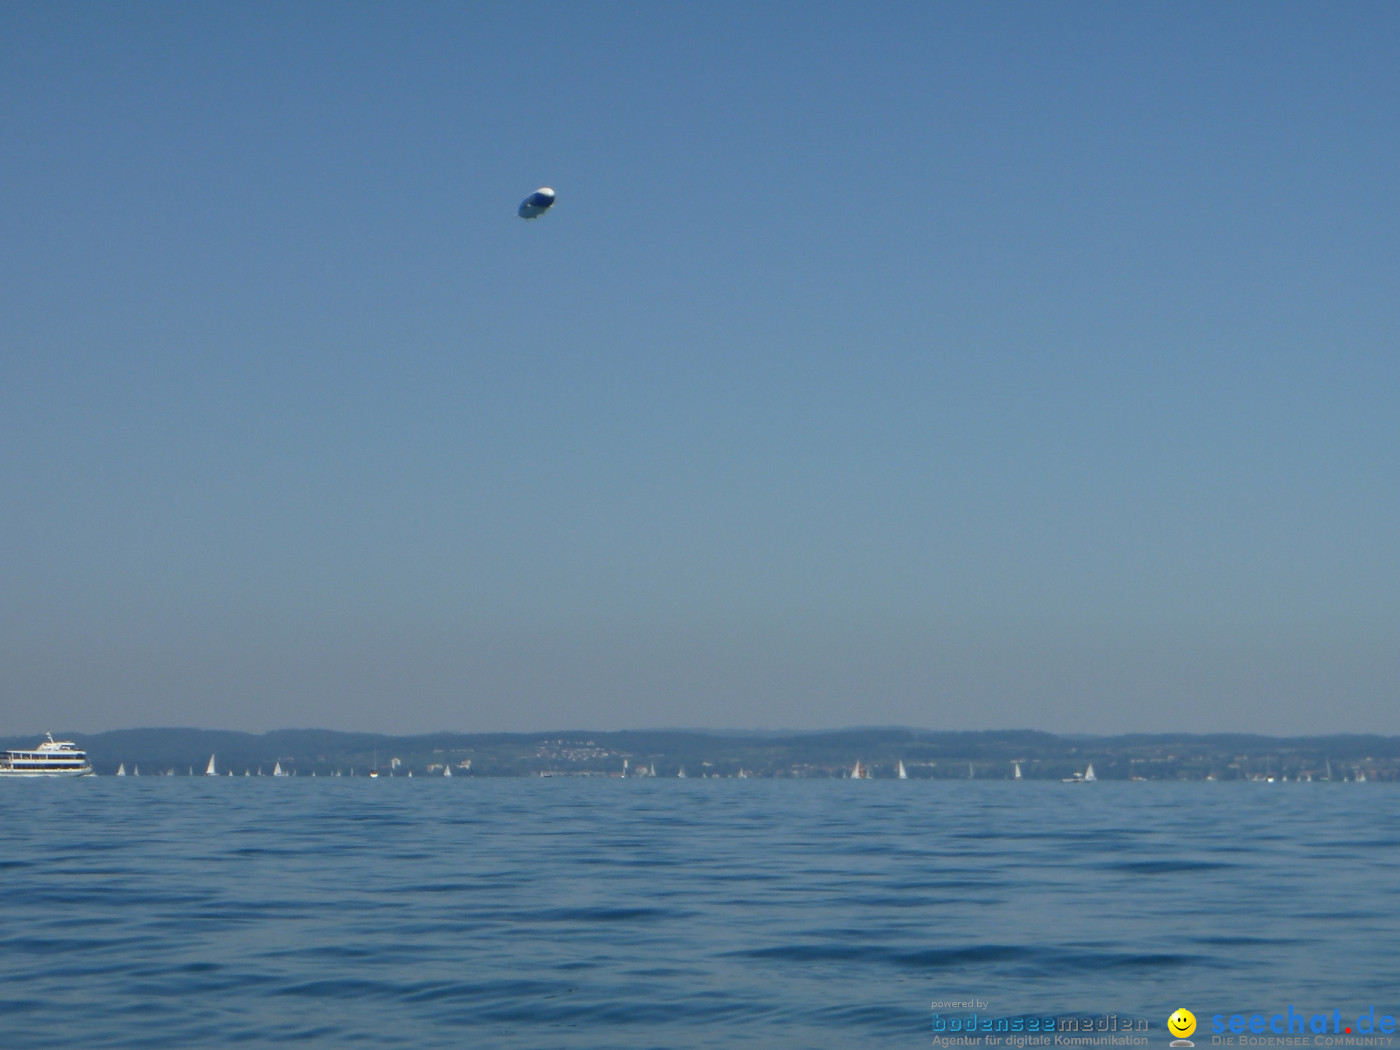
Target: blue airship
535,205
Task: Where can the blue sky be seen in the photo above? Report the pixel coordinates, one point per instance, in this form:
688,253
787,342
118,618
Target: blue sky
950,365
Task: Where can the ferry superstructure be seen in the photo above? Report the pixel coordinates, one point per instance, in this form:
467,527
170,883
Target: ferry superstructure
52,758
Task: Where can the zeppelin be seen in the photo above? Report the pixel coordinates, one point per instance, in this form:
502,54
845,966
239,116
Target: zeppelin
535,205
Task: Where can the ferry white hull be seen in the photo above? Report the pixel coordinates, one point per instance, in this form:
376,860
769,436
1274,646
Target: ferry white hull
53,758
46,772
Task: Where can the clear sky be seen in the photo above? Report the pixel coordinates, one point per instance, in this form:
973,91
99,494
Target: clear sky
977,365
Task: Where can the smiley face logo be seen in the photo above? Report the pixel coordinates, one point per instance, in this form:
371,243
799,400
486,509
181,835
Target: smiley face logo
1182,1023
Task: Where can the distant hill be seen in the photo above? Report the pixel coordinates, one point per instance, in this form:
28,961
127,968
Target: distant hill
828,753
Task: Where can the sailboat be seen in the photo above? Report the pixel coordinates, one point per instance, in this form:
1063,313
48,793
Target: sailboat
209,770
135,770
681,774
902,774
447,769
1089,777
277,770
121,769
1016,773
860,771
970,773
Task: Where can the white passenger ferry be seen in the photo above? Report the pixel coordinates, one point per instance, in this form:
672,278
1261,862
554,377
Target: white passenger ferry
53,758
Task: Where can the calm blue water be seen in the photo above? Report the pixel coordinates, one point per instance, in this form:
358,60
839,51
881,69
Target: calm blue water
178,912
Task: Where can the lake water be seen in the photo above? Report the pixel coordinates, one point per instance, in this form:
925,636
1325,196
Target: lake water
182,912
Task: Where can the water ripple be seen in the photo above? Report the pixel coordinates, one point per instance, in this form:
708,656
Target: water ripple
172,912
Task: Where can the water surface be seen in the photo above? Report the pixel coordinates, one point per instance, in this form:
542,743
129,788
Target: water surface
178,912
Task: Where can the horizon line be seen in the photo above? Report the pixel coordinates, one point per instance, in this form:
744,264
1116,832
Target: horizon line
734,732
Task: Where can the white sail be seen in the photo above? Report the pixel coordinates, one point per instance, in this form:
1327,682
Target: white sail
447,769
121,769
1089,773
902,774
681,774
277,770
209,770
1016,774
